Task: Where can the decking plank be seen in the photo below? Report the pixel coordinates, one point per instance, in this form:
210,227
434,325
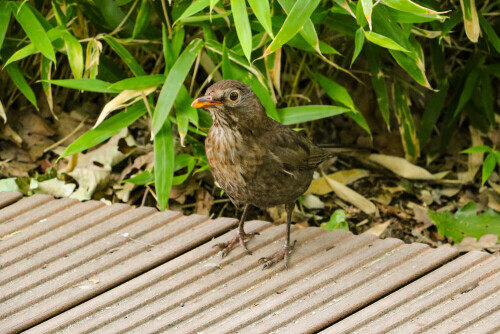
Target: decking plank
80,254
9,197
447,299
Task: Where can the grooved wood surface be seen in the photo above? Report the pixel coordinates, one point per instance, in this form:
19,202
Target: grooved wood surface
73,267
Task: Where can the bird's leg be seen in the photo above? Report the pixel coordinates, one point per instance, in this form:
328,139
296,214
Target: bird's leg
287,248
240,238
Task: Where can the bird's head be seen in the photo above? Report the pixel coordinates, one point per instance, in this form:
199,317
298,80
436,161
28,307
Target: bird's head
231,100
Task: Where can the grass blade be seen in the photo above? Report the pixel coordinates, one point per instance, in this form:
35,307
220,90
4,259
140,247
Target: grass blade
242,24
261,10
33,29
106,129
164,163
173,83
301,114
299,14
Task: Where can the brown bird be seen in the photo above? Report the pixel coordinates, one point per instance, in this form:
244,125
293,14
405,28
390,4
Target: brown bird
254,159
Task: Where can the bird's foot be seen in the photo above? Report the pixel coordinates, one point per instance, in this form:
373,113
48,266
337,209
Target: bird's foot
278,256
241,238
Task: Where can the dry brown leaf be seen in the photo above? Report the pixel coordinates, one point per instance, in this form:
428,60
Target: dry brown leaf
469,243
119,101
320,185
2,113
404,168
204,202
378,229
349,195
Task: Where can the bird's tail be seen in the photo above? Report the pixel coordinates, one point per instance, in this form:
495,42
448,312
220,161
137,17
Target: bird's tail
333,149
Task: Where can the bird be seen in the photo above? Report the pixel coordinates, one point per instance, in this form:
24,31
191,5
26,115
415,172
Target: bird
256,160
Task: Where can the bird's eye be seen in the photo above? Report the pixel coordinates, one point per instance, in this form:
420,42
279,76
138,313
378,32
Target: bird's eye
234,95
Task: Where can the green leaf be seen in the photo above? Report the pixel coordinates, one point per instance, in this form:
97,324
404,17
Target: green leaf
478,149
106,129
184,112
359,40
338,93
409,6
432,111
194,8
378,82
30,49
125,55
471,20
32,27
486,96
59,15
490,32
141,179
298,16
242,24
4,20
164,163
309,113
143,18
140,82
261,10
75,54
411,66
466,222
407,129
469,89
90,85
383,41
173,83
488,166
336,222
17,77
367,10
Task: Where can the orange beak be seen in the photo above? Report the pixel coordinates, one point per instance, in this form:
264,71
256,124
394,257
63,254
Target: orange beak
204,101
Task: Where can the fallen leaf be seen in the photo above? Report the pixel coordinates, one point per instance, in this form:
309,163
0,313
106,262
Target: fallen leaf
8,184
313,202
470,244
378,229
204,202
404,168
320,185
475,160
55,187
349,195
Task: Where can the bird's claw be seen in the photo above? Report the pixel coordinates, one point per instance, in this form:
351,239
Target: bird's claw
226,247
277,257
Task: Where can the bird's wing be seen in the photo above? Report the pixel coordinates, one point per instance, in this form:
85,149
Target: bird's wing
293,149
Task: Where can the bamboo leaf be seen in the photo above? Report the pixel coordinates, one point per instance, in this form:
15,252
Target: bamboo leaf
173,83
106,129
298,16
75,54
261,10
383,41
4,20
301,114
164,163
125,55
490,32
359,40
407,129
143,18
140,82
90,85
242,24
367,10
471,20
17,77
378,82
409,7
33,29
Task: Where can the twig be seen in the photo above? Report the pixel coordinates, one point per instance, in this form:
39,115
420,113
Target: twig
75,130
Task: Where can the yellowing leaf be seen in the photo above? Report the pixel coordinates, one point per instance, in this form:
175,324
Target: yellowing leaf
320,186
471,21
404,168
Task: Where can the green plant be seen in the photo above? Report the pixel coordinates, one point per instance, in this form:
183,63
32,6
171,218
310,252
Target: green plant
301,55
489,163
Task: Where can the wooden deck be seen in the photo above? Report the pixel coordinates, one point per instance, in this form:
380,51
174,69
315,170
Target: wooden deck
74,267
